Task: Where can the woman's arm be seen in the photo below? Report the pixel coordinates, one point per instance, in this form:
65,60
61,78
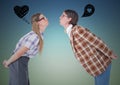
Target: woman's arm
15,56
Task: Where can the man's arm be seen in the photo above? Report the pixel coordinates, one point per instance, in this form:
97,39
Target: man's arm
94,41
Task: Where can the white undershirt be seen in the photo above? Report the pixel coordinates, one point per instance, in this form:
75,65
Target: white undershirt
68,30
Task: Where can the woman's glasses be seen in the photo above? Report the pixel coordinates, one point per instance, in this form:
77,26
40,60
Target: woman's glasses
41,19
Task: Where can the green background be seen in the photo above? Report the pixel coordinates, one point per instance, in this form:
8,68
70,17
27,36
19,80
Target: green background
57,64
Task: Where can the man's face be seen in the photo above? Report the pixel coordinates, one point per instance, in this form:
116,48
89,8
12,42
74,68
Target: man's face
64,19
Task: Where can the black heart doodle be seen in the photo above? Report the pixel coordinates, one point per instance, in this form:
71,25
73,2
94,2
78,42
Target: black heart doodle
88,10
21,11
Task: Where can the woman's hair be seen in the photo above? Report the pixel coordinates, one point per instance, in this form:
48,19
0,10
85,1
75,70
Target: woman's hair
73,15
35,28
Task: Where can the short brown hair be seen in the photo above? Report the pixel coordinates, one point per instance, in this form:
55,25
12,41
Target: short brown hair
72,14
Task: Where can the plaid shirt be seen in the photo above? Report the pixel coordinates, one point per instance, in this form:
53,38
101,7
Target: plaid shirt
91,51
30,40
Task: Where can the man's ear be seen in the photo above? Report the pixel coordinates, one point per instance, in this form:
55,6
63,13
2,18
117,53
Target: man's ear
69,19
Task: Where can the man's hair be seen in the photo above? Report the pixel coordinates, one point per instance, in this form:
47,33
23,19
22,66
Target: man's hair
73,15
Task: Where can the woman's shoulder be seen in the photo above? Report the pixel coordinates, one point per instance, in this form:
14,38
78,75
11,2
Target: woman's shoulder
31,33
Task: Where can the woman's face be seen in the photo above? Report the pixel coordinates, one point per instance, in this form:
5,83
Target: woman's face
64,20
43,23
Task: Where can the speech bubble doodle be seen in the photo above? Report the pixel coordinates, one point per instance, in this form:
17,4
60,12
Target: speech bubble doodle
88,10
21,11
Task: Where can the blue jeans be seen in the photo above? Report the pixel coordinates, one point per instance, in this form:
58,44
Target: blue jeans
103,79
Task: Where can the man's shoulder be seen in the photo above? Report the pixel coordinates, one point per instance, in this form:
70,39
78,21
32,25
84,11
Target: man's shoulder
78,28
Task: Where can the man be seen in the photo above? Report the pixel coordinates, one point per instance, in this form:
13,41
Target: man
91,51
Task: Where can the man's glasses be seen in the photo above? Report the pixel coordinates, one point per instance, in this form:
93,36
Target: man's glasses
64,15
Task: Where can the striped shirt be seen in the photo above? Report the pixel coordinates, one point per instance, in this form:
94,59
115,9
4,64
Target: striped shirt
91,51
30,40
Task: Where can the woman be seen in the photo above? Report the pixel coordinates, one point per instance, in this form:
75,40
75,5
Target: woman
27,47
91,51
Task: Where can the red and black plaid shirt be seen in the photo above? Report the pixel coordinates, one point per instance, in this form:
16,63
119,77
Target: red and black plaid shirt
91,51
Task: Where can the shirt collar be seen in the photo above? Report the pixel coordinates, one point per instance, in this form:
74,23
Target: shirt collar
68,30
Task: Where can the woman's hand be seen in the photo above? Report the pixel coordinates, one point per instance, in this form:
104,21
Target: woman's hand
6,63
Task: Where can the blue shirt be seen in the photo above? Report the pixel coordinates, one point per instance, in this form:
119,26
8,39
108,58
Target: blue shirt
30,40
